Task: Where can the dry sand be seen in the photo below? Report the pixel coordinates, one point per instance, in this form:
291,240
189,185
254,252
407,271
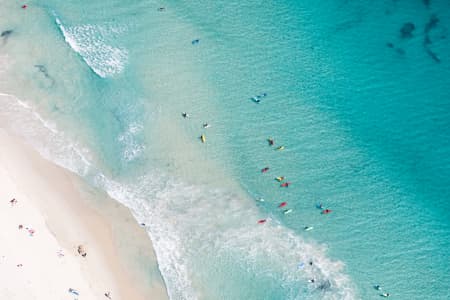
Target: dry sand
64,212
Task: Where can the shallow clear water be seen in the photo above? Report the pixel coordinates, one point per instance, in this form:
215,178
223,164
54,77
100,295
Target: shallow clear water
363,114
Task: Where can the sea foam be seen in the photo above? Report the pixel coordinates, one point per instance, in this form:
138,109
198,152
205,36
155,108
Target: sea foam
183,219
90,42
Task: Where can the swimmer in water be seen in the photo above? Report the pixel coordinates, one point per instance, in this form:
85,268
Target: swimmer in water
206,125
385,295
185,115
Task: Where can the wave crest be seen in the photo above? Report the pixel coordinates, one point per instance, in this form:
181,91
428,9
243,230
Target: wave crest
91,43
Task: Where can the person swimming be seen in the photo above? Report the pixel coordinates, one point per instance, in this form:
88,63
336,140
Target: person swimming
385,295
206,125
185,115
271,141
195,42
377,287
258,98
265,170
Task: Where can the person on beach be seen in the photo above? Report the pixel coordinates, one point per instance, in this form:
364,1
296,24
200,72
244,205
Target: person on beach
108,295
73,291
81,251
13,201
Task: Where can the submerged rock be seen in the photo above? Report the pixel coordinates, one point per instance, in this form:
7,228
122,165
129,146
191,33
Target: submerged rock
406,30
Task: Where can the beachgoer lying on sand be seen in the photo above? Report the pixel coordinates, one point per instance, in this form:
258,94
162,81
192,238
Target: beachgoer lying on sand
108,295
73,291
13,201
81,251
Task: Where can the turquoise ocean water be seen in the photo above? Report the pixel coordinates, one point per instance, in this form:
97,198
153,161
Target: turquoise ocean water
357,93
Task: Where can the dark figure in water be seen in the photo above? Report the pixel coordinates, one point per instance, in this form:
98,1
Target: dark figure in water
195,42
431,24
406,30
5,35
325,285
43,70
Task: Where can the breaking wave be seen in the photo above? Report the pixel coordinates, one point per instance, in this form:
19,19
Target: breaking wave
184,219
91,43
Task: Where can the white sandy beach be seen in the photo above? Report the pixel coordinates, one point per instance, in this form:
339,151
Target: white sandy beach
41,261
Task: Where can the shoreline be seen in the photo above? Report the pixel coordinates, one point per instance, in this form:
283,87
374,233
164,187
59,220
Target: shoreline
65,212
